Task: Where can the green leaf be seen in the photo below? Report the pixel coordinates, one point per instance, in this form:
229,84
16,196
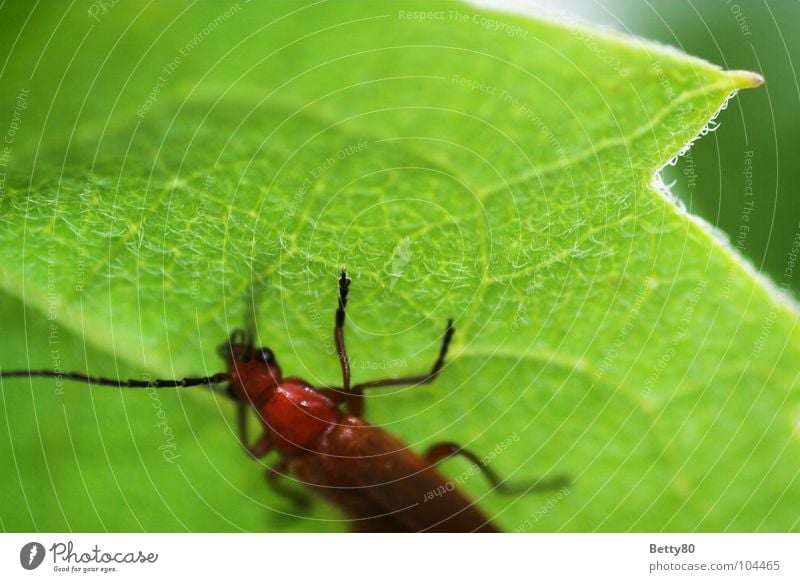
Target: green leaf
170,162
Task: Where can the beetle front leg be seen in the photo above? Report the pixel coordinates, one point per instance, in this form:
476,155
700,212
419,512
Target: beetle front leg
262,446
419,378
354,396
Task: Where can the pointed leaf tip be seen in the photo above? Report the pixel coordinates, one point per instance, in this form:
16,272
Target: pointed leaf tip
747,79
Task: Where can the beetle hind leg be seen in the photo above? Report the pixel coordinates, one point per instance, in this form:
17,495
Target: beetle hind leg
442,451
276,480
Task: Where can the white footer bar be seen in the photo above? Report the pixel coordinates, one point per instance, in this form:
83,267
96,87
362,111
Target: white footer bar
407,558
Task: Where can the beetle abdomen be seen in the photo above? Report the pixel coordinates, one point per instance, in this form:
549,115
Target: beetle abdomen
374,479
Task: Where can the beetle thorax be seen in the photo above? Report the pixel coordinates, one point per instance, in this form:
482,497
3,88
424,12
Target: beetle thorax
254,382
297,415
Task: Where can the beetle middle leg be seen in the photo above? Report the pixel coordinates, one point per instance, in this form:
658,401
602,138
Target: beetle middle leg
276,472
442,451
276,479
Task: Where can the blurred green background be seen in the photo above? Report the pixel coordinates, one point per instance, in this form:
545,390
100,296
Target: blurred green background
755,35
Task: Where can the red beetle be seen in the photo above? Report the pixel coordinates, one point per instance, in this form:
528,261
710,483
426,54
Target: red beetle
323,441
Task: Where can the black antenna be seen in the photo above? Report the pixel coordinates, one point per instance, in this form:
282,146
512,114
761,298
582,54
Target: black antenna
247,337
182,383
250,317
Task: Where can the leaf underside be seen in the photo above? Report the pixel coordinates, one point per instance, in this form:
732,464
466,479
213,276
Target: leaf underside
175,164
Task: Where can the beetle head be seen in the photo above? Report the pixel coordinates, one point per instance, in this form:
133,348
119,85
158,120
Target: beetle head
254,372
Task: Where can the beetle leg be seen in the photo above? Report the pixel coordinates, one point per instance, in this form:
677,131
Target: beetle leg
354,395
241,418
338,330
420,378
439,452
262,446
275,475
